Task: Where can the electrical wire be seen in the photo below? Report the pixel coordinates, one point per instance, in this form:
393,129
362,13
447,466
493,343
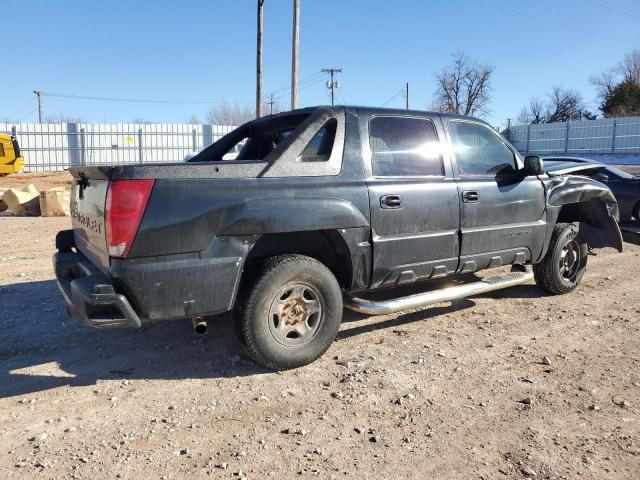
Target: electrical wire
400,92
612,9
563,26
124,100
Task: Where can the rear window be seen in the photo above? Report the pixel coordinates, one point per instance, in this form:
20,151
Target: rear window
252,141
404,146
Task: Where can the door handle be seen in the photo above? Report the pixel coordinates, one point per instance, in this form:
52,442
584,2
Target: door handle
391,201
469,196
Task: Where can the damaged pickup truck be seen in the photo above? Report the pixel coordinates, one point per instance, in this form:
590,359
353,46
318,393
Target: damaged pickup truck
320,206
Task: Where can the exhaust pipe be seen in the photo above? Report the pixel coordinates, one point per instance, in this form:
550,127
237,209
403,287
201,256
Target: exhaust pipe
487,284
200,325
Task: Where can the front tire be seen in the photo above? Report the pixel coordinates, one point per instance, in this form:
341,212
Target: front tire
564,265
290,313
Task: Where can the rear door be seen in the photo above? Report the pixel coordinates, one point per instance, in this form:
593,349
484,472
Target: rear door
501,211
413,200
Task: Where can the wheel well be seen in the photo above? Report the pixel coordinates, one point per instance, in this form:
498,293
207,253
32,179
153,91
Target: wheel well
326,246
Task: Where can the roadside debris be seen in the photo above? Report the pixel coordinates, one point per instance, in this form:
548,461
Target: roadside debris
29,202
22,202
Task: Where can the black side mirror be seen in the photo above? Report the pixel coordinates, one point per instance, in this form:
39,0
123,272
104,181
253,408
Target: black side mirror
533,165
601,177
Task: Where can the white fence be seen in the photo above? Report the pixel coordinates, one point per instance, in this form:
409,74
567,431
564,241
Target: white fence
56,146
602,136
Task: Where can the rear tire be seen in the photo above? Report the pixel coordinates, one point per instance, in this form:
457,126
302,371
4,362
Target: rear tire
563,267
290,312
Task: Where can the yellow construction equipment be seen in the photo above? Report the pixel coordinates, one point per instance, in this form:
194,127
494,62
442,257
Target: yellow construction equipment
10,159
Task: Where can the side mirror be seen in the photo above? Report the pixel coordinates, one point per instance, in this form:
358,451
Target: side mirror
533,165
601,177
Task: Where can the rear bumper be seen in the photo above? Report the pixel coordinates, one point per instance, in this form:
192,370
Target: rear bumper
146,289
89,294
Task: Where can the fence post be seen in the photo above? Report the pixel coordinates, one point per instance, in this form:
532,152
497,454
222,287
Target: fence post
13,131
194,140
613,137
528,138
566,138
83,146
140,158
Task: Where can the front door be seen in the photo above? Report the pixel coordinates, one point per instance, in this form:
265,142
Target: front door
413,200
502,212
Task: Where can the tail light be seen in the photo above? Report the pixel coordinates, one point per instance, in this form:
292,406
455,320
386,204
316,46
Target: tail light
126,201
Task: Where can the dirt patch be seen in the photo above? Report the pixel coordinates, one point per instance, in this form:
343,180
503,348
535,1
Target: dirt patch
42,181
459,390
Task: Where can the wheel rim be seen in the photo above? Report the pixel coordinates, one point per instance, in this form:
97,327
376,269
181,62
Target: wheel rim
569,261
295,314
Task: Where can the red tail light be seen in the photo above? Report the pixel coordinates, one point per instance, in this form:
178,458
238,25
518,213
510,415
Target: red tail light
126,201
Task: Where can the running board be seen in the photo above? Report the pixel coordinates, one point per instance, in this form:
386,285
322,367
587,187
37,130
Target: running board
487,284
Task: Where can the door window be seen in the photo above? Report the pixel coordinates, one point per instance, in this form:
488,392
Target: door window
403,146
479,151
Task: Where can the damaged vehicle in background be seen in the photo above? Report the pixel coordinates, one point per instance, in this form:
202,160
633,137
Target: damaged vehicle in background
319,207
625,187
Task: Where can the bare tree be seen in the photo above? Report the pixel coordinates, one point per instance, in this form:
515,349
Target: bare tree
463,87
564,104
193,120
630,67
533,112
226,113
62,118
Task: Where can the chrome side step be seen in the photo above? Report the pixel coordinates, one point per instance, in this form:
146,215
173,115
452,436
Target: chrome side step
487,284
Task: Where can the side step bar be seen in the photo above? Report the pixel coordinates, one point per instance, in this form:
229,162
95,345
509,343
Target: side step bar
487,284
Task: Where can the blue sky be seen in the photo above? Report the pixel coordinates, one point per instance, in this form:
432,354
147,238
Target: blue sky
204,51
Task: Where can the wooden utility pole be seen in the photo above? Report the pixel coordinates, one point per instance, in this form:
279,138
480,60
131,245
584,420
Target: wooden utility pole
271,103
332,84
294,54
39,95
259,62
406,95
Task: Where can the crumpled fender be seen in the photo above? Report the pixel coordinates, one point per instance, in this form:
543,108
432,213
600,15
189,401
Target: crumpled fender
279,215
589,203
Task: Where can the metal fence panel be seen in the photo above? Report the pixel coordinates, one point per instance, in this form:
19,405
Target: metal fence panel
57,146
601,136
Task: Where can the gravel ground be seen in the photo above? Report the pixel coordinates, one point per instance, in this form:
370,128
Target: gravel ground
461,390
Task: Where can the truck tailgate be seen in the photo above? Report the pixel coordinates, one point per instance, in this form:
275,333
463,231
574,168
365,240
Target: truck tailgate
88,198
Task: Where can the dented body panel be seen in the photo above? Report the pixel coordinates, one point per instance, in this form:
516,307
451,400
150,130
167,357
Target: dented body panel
305,182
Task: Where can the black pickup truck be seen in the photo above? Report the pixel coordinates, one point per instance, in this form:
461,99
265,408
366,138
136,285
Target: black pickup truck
319,205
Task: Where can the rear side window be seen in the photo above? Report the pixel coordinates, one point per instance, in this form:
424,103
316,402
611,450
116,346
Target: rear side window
479,151
402,146
320,147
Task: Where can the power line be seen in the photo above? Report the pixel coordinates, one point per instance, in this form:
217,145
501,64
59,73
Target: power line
400,92
287,89
125,100
612,9
564,26
307,85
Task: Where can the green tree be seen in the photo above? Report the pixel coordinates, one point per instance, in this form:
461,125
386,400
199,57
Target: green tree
623,100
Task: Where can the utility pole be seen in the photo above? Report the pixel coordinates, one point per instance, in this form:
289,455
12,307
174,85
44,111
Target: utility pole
259,62
39,95
294,54
271,102
406,95
332,84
